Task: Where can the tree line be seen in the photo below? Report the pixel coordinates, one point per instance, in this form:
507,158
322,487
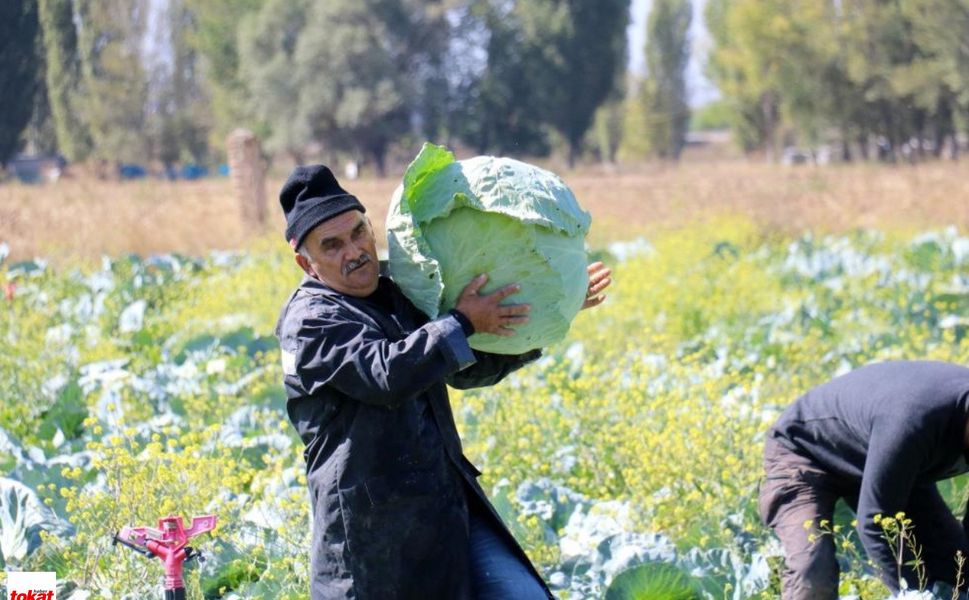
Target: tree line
876,78
166,80
136,80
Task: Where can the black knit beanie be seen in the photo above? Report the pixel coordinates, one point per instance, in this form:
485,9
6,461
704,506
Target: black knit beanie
310,196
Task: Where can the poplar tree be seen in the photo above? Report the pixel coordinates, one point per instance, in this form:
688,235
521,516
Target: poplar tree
664,93
214,36
63,79
507,113
341,72
575,52
114,85
18,71
181,116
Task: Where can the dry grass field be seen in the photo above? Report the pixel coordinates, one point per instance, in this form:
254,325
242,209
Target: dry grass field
81,219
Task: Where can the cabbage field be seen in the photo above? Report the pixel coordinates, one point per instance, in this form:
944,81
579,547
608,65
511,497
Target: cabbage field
626,459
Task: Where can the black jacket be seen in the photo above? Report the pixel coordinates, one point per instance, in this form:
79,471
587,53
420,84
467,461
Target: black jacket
888,431
365,381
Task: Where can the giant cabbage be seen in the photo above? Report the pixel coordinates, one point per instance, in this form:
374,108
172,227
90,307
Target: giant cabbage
451,220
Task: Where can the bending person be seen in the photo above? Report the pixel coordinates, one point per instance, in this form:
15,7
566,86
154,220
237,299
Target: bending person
880,438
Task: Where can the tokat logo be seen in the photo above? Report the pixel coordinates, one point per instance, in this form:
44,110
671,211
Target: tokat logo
32,595
29,585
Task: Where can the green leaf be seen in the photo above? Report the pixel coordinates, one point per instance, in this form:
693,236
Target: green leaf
653,581
67,413
22,517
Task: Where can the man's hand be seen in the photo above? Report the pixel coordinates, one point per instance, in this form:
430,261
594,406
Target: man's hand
485,313
599,280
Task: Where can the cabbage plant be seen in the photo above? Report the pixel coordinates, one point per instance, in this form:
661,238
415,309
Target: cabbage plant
451,220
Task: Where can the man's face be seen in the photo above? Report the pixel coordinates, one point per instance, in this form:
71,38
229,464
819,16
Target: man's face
342,253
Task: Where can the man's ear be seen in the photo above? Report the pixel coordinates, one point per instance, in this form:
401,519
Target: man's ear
304,264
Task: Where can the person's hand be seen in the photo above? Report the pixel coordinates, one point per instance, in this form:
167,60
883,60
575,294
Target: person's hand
484,312
599,280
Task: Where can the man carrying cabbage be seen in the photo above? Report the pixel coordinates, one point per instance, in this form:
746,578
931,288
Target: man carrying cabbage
397,510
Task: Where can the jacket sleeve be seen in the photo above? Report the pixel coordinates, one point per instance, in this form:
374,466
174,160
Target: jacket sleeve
489,369
896,453
354,357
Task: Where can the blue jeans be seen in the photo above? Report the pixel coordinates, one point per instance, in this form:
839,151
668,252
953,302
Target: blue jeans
496,572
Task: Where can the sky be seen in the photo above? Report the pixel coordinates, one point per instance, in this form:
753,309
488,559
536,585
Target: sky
699,87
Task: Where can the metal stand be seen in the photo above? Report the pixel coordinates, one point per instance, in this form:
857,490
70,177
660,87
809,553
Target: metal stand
176,594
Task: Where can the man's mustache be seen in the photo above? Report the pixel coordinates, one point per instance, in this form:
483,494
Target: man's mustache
353,265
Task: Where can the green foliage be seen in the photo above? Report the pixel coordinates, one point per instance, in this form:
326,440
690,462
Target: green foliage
114,83
22,517
763,56
579,52
64,77
502,111
267,46
215,37
113,96
550,66
712,116
19,67
659,406
513,78
852,72
41,135
65,415
607,128
350,86
181,120
635,144
653,581
744,106
663,93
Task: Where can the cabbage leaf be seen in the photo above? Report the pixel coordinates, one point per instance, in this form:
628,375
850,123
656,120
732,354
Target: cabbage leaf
451,220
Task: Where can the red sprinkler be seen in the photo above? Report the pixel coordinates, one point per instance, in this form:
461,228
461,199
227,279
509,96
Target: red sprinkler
168,543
